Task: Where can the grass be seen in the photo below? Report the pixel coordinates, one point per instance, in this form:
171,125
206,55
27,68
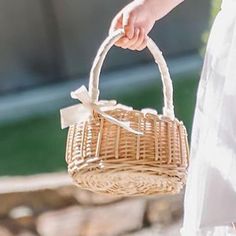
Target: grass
38,145
184,98
32,146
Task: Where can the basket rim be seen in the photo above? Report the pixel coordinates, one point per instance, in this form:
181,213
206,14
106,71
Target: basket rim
144,111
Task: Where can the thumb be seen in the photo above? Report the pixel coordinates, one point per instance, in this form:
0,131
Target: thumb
128,24
116,23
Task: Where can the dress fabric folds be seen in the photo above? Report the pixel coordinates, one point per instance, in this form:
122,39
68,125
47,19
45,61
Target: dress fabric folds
210,198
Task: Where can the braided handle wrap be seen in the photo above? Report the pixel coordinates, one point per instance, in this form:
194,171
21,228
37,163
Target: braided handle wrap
168,109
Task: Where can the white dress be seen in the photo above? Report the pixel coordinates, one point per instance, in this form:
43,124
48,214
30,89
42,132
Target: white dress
210,199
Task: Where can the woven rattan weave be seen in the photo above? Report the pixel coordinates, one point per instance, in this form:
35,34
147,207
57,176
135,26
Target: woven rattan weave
148,157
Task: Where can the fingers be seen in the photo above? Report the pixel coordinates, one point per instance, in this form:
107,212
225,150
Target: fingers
138,42
130,42
116,23
143,45
125,21
129,31
128,24
122,42
135,38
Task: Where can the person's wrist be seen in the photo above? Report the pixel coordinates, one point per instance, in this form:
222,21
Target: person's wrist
153,7
150,7
159,8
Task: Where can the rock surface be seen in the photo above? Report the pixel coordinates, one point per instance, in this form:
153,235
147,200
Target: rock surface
58,208
99,221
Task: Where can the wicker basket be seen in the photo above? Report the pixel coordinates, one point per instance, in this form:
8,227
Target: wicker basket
114,149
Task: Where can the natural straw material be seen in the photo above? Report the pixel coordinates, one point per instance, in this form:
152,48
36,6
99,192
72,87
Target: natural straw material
117,150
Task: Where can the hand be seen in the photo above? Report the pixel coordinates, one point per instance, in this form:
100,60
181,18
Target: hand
137,19
137,22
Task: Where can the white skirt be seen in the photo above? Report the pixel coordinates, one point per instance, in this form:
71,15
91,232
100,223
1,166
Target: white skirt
210,198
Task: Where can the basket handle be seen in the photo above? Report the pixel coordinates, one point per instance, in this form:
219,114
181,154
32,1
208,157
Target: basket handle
168,109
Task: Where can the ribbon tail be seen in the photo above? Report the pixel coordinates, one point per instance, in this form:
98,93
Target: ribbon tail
73,115
82,95
118,122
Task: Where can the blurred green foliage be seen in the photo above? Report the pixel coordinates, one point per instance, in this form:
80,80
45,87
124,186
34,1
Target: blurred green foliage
38,145
32,146
215,7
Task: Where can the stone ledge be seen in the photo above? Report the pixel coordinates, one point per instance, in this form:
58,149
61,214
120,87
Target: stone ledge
40,205
34,182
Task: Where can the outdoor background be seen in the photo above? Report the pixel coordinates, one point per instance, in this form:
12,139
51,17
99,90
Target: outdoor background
47,48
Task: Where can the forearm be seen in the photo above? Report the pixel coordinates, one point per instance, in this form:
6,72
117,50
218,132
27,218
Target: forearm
159,8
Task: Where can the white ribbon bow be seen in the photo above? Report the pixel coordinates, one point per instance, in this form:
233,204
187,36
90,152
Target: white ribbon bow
81,112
